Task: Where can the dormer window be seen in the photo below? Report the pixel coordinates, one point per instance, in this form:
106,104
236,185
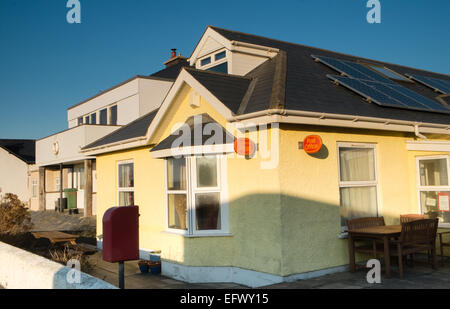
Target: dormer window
217,62
205,61
220,55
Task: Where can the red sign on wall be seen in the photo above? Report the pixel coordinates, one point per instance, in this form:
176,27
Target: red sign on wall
244,146
312,144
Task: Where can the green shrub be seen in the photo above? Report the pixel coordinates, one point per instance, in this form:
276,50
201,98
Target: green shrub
15,218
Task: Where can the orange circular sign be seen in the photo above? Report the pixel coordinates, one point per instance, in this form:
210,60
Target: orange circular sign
312,144
244,146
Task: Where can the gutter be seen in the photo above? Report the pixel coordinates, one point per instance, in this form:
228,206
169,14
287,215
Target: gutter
383,123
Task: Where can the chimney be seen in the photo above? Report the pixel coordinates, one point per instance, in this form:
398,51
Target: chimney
174,59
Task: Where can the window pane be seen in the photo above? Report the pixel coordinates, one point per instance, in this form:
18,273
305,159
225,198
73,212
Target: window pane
358,202
176,174
220,55
103,116
205,61
126,198
86,120
94,119
221,68
357,164
206,172
433,172
80,121
126,177
81,180
177,211
113,115
436,205
207,211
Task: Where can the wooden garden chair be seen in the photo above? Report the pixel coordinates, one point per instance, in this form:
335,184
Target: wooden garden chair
443,244
416,236
360,223
412,217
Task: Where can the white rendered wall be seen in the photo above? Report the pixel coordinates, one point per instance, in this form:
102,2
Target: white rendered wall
13,176
151,94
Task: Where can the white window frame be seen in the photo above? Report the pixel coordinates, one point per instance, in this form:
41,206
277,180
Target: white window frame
124,189
352,184
213,62
192,189
421,188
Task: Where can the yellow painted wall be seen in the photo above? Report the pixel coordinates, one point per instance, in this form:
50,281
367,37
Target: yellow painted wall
310,192
282,221
254,204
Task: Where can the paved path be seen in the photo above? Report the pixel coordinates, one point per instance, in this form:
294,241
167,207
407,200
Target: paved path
422,276
135,280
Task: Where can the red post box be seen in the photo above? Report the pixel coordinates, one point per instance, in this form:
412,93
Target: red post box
121,234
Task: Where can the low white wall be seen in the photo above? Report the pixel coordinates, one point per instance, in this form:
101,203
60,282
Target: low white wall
20,269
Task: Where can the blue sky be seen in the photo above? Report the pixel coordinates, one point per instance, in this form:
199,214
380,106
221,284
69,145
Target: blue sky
48,65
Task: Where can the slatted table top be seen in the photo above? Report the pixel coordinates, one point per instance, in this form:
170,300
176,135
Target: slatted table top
56,236
378,230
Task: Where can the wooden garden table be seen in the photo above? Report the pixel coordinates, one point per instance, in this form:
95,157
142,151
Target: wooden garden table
55,236
384,233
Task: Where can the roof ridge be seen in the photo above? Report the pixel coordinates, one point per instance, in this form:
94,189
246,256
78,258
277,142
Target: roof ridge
332,51
278,97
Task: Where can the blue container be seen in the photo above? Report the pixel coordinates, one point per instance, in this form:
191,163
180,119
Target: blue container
155,268
155,257
143,268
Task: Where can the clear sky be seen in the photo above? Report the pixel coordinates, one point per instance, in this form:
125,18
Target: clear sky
48,65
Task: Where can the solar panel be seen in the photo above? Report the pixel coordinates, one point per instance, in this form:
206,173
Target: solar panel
440,85
391,95
366,91
352,69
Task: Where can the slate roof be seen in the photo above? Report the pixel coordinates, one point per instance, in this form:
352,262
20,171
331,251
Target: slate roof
308,89
196,125
24,149
137,128
292,80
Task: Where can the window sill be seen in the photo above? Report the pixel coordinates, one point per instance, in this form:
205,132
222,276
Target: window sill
212,234
343,235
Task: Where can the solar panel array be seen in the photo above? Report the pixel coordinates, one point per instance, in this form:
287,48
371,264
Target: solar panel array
377,88
390,95
440,85
352,69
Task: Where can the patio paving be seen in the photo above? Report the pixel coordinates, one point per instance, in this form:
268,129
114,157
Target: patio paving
421,276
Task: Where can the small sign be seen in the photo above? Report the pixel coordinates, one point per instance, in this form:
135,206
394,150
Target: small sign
244,146
444,202
312,144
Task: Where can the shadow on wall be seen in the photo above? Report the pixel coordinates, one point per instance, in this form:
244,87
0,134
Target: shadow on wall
275,234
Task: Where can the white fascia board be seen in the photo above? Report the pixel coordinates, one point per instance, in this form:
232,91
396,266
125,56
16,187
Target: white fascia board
185,78
428,145
346,121
193,150
213,34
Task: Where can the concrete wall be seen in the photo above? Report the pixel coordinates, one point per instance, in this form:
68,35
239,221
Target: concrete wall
13,176
20,269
